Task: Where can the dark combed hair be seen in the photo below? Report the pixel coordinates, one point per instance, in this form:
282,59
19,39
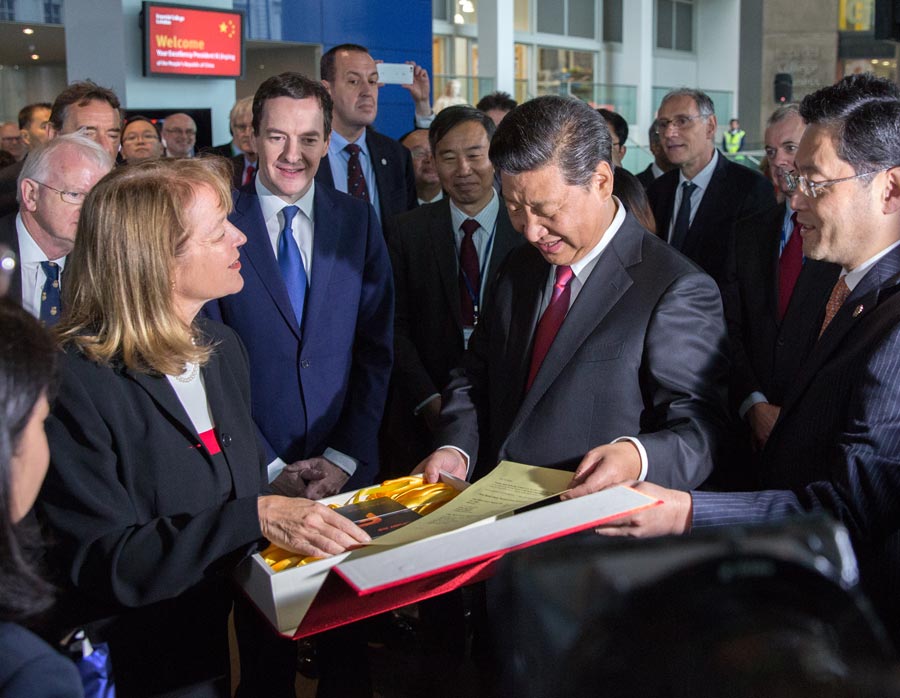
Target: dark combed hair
497,100
26,113
618,123
560,130
326,63
27,369
295,86
80,94
634,197
863,114
451,117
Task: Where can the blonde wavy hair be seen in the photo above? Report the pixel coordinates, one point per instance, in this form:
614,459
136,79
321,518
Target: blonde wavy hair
118,300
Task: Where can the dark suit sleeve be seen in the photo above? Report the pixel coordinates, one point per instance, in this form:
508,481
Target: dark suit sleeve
863,490
464,406
104,547
356,433
410,374
33,669
685,387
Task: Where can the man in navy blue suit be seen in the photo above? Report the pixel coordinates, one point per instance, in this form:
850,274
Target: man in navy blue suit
316,315
316,311
836,444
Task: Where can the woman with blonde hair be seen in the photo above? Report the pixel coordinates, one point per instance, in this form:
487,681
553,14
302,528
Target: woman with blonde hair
153,494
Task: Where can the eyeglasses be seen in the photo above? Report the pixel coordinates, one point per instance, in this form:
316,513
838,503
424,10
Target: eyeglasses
76,198
810,188
132,137
679,122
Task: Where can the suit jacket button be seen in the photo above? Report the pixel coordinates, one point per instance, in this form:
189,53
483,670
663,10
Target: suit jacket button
225,440
304,363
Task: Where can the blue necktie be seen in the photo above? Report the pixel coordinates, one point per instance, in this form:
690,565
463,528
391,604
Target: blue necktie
291,264
683,220
51,305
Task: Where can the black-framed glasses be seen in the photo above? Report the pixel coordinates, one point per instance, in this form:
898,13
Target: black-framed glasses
680,122
76,198
811,189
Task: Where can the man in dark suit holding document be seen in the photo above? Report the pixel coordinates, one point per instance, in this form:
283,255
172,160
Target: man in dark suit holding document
603,350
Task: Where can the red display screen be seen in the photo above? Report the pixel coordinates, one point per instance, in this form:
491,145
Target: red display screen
193,41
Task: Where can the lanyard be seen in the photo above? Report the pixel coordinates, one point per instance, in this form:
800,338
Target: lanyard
470,288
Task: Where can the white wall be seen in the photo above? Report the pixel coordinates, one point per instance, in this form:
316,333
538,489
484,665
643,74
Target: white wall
103,43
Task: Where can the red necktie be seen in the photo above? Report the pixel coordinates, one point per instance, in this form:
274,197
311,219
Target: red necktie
469,276
550,321
248,174
356,180
789,267
838,295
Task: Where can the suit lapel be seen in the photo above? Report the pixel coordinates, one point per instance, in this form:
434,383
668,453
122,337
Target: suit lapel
381,166
247,216
770,253
862,301
221,408
527,295
607,283
712,199
159,390
323,174
326,241
505,240
443,247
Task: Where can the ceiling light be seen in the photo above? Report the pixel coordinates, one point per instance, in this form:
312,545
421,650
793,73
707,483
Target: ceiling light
458,19
34,56
28,30
885,62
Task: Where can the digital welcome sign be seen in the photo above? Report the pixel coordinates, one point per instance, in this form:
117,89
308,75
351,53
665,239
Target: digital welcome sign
193,41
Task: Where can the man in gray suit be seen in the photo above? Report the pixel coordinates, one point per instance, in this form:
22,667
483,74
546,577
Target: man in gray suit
435,312
603,350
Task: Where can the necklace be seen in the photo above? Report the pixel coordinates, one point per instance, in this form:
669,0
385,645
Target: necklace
188,378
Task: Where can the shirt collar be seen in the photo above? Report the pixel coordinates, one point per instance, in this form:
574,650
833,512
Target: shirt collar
583,267
703,176
338,143
486,217
29,251
271,204
854,276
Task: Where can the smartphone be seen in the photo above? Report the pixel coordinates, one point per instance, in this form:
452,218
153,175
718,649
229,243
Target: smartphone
395,73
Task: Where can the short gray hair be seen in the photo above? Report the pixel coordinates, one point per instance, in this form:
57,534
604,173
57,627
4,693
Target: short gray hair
783,112
39,162
701,99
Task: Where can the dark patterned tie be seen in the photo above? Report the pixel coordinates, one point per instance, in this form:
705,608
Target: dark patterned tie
356,180
550,321
51,306
789,267
683,220
291,264
469,275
